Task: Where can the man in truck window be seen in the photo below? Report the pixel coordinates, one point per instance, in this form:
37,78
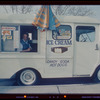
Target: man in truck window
24,44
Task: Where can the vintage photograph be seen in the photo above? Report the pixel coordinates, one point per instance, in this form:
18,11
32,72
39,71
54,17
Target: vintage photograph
49,49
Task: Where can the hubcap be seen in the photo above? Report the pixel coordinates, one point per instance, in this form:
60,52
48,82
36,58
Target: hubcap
28,77
98,75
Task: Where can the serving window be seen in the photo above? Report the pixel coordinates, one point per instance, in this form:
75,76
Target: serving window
31,31
11,36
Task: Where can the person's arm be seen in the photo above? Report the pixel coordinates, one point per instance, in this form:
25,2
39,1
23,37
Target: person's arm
29,49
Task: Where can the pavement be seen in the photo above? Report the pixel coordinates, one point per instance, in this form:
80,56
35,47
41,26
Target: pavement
52,86
52,89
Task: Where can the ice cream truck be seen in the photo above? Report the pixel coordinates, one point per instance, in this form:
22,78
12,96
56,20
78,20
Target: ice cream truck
72,50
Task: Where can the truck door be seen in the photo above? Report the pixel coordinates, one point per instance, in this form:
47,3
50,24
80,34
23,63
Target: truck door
59,52
86,49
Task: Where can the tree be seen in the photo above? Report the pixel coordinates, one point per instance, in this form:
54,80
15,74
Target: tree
19,9
57,9
72,10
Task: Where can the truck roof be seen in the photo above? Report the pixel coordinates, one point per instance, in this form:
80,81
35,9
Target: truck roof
28,18
78,19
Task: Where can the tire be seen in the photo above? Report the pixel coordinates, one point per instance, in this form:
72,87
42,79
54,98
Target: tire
27,77
96,75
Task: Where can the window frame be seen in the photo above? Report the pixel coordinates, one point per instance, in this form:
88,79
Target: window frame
37,38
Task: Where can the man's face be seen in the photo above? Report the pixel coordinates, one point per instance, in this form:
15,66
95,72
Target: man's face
25,37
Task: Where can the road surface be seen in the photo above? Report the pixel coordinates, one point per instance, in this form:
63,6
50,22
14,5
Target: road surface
52,86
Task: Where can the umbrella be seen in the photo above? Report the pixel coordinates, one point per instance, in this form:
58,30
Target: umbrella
45,19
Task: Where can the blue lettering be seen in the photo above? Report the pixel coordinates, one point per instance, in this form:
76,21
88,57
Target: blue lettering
49,42
59,42
63,42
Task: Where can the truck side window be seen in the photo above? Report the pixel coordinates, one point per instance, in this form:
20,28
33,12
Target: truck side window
85,33
62,32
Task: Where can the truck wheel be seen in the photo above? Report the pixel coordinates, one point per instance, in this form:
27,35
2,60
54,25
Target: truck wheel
27,77
97,75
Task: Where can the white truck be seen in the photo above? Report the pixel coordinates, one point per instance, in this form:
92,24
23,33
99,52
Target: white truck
72,50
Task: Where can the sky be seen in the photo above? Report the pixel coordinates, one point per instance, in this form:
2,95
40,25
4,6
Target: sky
95,8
